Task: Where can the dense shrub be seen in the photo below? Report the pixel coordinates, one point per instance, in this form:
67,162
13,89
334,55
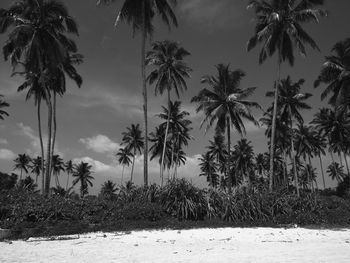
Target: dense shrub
183,200
343,188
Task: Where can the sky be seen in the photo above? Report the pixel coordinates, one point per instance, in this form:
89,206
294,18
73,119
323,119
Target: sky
91,119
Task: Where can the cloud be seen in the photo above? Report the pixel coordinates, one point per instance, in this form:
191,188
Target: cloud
97,166
211,14
100,144
3,141
35,148
6,154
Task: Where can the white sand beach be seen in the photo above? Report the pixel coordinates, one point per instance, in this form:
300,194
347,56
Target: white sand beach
198,245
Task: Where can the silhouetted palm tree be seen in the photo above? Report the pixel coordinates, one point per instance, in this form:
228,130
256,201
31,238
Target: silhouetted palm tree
38,43
336,75
217,149
83,175
243,160
69,167
57,167
279,29
169,74
36,167
335,171
108,190
22,163
133,141
124,158
140,15
226,103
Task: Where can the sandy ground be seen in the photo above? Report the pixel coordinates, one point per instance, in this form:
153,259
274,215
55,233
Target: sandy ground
198,245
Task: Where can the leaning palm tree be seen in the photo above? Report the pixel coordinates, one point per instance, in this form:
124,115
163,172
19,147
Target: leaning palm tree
83,175
336,75
208,169
3,104
279,28
38,43
169,74
140,15
133,141
290,102
22,163
124,158
226,104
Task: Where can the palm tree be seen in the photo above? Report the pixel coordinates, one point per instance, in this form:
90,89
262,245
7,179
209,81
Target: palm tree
133,141
243,160
208,168
22,163
278,27
108,190
260,164
169,74
83,175
69,167
290,101
36,167
57,167
38,43
178,127
336,75
226,103
217,149
3,104
335,171
140,15
124,158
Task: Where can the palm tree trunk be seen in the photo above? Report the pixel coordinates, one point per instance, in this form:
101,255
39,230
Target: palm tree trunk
54,128
285,172
165,139
321,164
293,155
340,159
48,155
312,182
228,154
67,181
20,179
41,148
177,154
143,69
132,168
274,115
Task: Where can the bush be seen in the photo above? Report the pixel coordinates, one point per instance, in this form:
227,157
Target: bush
183,200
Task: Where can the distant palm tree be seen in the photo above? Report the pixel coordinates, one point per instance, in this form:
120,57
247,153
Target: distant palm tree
133,141
83,175
169,74
36,167
336,74
108,190
260,164
57,167
3,104
290,101
69,167
208,169
140,15
217,149
335,171
22,163
243,160
279,29
226,104
124,158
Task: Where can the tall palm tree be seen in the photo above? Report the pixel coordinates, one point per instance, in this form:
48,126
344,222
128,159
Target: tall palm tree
124,158
22,163
36,167
226,103
140,15
3,104
69,167
336,75
208,169
39,44
217,149
290,101
133,141
243,160
83,175
169,74
279,29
